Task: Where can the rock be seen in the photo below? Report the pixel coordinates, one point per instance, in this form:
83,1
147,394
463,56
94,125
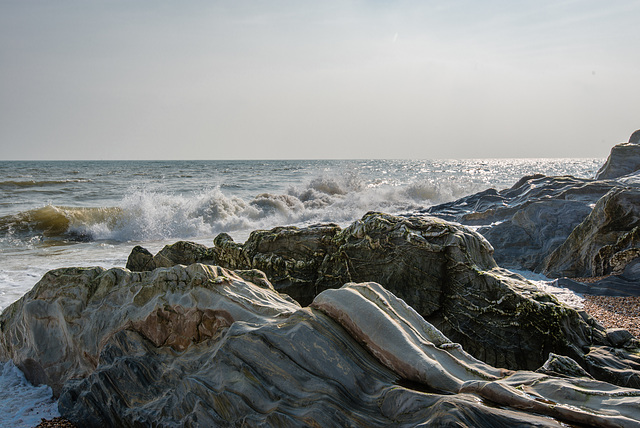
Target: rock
624,159
56,331
605,242
289,256
526,222
199,346
140,260
443,270
182,252
619,337
559,365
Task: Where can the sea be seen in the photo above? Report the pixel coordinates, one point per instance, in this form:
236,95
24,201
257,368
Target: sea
92,213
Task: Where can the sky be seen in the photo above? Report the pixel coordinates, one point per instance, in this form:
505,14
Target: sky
334,79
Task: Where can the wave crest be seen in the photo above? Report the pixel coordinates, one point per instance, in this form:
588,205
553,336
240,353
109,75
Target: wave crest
155,215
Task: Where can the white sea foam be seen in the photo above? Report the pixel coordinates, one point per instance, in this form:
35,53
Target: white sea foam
545,284
21,403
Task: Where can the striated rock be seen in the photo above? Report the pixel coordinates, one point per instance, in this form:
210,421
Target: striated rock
443,270
182,252
528,221
624,159
199,346
56,331
605,242
559,365
289,256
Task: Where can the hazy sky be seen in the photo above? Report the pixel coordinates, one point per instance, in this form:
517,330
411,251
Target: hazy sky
317,79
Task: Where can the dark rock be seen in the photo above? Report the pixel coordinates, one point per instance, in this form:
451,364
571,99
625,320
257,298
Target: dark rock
182,252
619,337
559,365
605,242
614,286
526,222
140,260
290,256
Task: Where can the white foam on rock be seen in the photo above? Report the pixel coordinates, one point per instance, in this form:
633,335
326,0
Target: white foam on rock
21,403
545,284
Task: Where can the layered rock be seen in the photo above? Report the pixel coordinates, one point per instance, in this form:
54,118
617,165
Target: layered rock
58,329
528,221
443,270
624,159
200,346
606,242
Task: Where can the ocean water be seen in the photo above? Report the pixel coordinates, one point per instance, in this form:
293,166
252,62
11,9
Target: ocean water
86,213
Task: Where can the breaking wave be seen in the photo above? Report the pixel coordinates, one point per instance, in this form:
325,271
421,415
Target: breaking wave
12,184
149,215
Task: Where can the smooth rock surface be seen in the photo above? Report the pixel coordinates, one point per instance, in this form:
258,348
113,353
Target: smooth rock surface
624,159
199,346
528,221
605,242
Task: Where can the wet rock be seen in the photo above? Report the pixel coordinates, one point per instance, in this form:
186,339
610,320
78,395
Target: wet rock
605,242
624,159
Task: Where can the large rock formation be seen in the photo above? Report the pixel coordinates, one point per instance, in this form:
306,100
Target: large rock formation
528,221
201,346
606,242
623,159
443,270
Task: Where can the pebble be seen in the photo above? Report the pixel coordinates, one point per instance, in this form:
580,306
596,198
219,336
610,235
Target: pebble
615,312
58,422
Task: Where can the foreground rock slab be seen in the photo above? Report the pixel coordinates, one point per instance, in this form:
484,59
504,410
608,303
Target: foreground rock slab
204,346
447,274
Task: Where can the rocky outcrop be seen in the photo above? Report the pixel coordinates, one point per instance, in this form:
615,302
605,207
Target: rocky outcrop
291,257
606,242
58,329
443,270
528,221
200,346
182,252
624,159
